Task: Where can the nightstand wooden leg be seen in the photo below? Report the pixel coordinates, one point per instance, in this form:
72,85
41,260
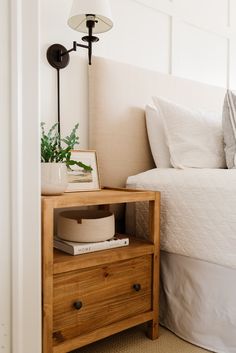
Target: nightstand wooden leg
154,223
153,329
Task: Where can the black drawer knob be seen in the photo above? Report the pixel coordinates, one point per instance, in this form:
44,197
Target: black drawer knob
137,287
78,305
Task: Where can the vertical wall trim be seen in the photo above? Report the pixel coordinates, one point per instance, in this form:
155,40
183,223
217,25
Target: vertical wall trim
171,46
228,69
25,183
5,161
16,171
228,15
165,8
228,64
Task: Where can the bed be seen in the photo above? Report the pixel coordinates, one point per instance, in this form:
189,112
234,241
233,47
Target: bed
198,218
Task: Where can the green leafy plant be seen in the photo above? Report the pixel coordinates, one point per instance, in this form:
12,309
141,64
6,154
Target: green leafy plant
55,149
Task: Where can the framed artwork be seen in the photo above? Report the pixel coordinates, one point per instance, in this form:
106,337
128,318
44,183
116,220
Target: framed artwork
80,179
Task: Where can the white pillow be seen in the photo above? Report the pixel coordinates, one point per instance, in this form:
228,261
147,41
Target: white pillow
157,138
229,128
195,139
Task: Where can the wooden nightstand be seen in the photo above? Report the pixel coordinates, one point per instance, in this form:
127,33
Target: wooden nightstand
91,296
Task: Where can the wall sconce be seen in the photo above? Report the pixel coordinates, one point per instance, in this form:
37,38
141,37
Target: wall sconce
86,16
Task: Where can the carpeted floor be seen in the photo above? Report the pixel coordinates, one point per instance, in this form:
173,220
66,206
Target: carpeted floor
135,341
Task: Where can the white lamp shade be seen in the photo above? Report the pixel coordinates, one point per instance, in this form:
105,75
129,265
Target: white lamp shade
99,8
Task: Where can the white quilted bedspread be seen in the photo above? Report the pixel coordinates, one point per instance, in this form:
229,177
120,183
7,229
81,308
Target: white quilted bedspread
198,211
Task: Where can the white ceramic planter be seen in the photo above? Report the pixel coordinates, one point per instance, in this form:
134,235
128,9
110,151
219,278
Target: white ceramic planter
53,178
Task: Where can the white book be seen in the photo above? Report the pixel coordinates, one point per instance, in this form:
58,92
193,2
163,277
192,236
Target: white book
74,248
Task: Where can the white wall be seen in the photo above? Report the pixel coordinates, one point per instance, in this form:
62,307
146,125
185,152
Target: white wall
187,38
54,29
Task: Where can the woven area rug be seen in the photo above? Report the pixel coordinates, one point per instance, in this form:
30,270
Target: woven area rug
135,341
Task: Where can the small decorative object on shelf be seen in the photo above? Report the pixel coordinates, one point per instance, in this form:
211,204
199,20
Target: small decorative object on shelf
80,178
74,248
56,159
87,226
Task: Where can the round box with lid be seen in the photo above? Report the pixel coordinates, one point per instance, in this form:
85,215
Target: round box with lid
86,225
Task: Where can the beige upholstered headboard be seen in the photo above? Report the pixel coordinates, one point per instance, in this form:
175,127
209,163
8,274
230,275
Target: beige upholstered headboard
118,94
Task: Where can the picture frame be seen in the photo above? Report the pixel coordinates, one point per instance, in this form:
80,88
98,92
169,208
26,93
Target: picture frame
80,179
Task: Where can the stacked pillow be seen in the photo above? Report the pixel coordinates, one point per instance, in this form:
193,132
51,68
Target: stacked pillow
192,139
157,137
229,129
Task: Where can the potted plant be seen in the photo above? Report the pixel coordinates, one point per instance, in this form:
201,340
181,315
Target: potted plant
56,158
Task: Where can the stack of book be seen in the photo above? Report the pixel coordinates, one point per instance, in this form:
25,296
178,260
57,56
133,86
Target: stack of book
74,248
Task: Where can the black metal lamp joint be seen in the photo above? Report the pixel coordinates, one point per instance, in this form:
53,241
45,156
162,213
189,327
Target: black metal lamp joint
58,55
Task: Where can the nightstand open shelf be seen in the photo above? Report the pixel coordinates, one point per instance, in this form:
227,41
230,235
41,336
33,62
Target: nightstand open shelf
64,262
91,296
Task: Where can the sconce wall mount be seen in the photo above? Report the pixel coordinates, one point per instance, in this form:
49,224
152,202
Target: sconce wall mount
87,16
58,55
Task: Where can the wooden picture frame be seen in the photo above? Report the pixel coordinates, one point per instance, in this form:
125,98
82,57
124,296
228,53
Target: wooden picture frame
78,178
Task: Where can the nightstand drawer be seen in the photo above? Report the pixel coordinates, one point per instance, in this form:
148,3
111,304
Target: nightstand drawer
89,299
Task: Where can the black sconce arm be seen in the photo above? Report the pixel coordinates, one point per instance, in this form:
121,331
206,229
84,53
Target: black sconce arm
58,56
74,48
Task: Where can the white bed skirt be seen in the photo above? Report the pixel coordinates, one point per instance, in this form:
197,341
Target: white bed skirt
198,302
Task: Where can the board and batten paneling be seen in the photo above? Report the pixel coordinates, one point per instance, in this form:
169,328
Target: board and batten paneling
199,55
232,15
205,29
193,39
145,39
205,13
